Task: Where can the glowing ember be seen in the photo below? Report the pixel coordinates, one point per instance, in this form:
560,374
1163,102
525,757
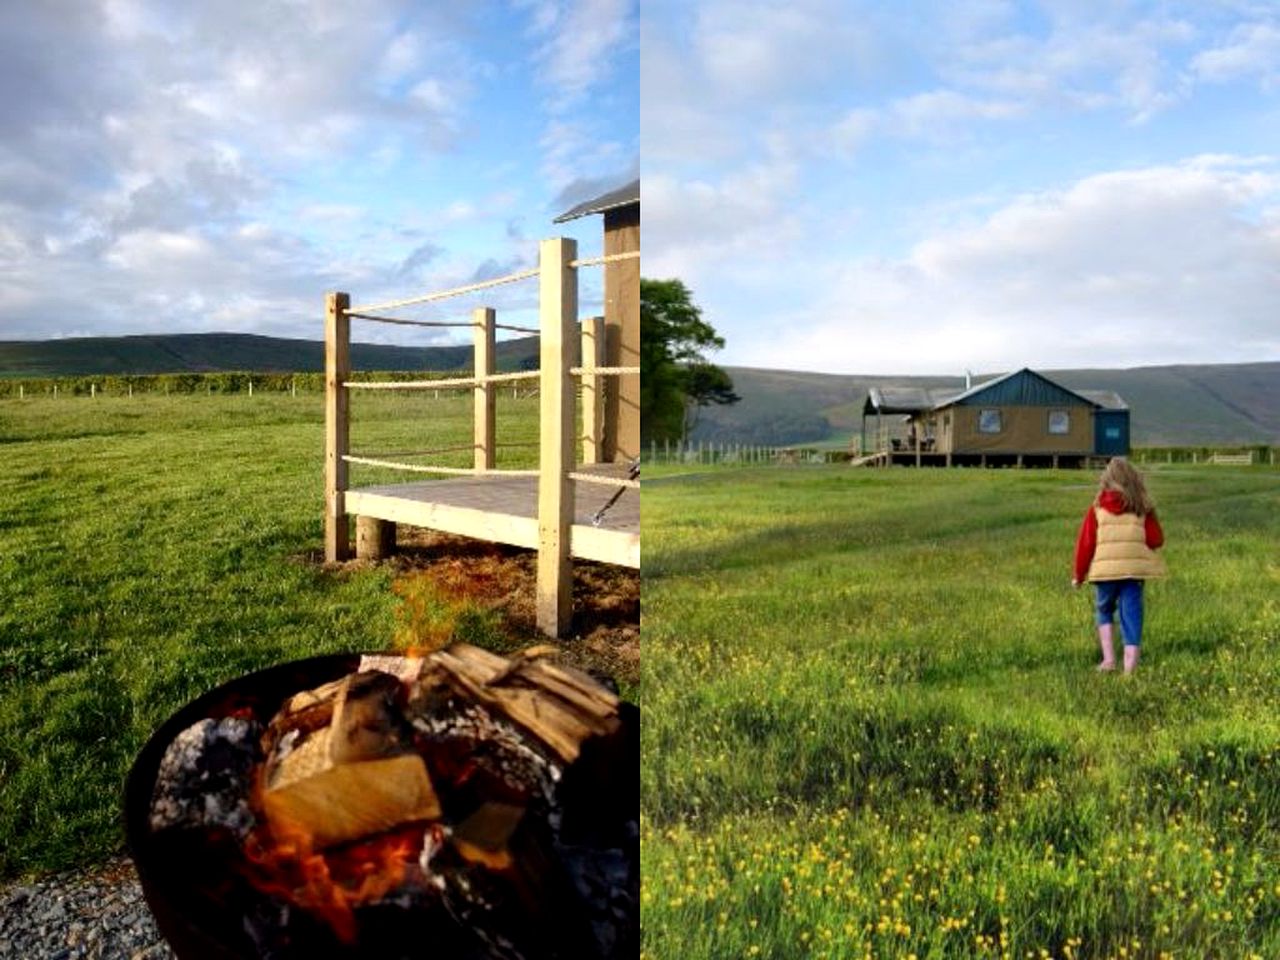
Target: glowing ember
331,883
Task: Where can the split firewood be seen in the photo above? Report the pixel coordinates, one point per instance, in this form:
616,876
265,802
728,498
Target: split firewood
561,707
354,800
352,777
485,836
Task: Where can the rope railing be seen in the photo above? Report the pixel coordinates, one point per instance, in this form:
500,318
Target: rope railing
362,310
609,258
604,481
438,323
423,468
422,453
410,323
440,384
443,294
604,371
458,449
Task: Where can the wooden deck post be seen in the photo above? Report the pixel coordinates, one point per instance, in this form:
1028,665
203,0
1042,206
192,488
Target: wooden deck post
337,370
482,319
592,391
558,316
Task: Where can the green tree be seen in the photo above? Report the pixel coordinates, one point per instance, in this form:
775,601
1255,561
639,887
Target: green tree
676,380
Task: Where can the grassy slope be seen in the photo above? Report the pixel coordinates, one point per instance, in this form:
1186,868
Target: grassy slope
873,728
152,549
205,352
1180,405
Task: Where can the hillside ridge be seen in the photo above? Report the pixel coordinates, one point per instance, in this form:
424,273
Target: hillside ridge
142,354
1172,404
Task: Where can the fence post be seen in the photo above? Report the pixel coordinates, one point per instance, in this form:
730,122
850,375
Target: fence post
337,370
592,394
483,415
558,320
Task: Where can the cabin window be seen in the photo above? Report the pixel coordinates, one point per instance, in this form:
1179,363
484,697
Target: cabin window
1059,422
1113,433
989,421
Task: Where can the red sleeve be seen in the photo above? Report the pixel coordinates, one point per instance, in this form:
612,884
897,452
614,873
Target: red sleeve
1155,535
1086,543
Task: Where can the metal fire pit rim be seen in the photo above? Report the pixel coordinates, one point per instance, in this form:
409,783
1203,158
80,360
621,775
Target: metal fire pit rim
264,690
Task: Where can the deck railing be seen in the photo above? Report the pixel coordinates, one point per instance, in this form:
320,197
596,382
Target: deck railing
557,274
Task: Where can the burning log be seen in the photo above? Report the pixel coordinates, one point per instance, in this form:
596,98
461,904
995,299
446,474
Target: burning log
461,799
350,778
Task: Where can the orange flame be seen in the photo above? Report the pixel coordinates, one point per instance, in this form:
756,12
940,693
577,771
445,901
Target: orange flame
283,863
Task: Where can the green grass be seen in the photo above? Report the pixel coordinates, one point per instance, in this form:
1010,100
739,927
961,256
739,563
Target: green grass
873,727
153,548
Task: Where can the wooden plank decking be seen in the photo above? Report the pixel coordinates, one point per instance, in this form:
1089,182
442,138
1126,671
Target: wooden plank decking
503,509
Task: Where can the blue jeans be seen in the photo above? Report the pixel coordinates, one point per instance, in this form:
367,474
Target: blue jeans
1125,595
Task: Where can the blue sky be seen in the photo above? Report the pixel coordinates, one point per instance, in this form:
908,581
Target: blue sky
930,187
176,167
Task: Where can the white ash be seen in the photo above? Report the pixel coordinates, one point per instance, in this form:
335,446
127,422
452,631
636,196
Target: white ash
204,778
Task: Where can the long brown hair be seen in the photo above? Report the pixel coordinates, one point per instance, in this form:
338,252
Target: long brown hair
1121,477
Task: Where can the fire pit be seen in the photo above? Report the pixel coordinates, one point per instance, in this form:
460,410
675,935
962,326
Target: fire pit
458,805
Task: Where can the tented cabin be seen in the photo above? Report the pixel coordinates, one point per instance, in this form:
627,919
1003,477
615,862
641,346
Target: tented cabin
1021,418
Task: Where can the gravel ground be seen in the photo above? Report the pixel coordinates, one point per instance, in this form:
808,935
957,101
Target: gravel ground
99,914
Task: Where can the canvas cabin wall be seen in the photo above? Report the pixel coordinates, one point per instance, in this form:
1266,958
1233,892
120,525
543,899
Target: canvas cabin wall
1021,413
993,428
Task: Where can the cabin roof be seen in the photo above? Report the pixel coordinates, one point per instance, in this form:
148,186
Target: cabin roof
623,196
1105,399
905,399
1023,387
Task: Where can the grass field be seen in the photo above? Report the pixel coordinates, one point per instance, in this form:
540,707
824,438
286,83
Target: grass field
873,728
154,547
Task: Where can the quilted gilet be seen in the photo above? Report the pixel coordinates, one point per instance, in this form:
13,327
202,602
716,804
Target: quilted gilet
1122,552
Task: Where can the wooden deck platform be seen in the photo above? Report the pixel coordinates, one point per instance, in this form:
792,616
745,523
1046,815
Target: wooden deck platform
504,509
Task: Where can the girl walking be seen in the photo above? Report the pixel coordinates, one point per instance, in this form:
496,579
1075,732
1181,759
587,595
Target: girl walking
1115,551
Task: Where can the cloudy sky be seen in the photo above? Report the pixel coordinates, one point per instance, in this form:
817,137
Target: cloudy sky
175,166
928,187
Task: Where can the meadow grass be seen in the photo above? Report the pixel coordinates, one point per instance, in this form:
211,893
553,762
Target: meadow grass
873,728
154,547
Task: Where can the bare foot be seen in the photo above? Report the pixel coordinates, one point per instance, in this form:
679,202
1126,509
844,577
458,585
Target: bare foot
1106,666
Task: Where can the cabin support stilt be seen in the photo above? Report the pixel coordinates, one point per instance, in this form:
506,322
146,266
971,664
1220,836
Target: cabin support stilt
375,539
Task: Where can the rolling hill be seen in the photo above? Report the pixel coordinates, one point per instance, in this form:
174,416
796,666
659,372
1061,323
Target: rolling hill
215,352
1171,405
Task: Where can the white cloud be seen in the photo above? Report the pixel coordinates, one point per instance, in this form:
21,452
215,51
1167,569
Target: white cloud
695,225
938,114
1253,50
754,50
1165,264
175,166
580,40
